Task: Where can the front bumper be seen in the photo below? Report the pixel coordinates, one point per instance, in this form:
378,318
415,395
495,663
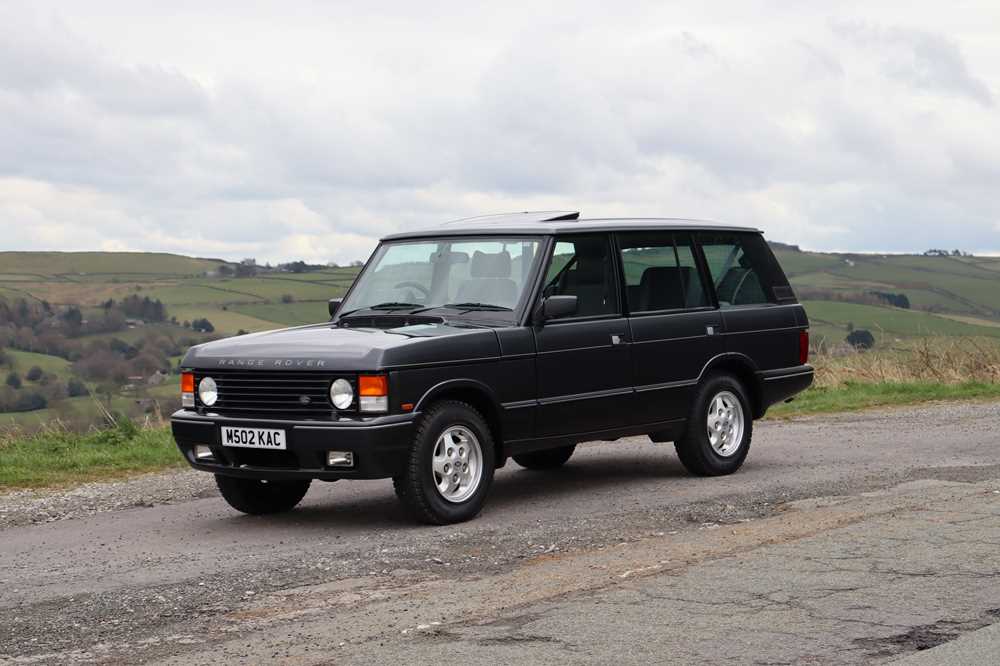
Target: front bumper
379,445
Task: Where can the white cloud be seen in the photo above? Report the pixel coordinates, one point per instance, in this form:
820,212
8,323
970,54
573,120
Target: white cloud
308,131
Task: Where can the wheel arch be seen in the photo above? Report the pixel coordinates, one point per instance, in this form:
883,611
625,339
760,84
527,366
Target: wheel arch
477,394
743,368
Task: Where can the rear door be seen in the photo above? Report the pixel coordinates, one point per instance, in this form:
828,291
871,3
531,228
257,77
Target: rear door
675,326
584,373
761,316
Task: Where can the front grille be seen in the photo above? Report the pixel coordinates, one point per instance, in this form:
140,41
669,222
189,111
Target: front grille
272,393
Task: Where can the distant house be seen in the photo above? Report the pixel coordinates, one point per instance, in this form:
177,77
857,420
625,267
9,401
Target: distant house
156,378
134,323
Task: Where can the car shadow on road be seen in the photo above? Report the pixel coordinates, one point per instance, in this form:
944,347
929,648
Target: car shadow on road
513,489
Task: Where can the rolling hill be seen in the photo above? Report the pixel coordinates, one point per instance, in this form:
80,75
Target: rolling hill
948,295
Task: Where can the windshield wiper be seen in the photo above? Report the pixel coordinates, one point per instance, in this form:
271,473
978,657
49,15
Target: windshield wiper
477,306
388,305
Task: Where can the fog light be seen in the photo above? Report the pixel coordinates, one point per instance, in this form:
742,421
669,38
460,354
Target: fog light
340,459
202,452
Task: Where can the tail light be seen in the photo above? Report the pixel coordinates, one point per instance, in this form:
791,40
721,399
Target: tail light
373,393
187,389
803,346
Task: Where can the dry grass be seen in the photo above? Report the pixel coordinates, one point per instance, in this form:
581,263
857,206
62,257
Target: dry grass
937,360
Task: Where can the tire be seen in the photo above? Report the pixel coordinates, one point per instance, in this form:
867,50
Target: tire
257,497
548,459
723,451
450,433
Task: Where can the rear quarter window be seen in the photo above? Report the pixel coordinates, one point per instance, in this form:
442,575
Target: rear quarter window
743,269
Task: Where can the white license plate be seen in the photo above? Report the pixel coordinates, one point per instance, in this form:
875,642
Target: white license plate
253,438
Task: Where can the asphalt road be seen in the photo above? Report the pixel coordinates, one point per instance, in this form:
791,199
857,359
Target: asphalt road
619,555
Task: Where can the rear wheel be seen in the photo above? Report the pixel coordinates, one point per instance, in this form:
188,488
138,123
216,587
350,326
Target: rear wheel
548,459
257,497
450,466
719,428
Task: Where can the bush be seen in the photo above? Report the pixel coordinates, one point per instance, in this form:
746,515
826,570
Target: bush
287,298
28,401
861,338
76,388
34,374
14,380
202,325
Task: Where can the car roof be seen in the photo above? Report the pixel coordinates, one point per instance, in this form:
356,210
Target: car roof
555,222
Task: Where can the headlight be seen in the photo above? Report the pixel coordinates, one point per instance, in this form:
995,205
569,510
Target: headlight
208,392
341,394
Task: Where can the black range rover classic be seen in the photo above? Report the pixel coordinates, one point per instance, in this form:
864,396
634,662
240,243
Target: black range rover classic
507,336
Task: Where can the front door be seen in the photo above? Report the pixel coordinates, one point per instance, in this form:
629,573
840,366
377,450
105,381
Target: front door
584,367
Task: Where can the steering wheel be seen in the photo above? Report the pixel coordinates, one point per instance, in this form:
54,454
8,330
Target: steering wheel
414,285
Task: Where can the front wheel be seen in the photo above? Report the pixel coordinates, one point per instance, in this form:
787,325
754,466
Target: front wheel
719,428
450,465
257,497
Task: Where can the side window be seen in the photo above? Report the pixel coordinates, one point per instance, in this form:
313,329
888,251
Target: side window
740,266
581,266
660,272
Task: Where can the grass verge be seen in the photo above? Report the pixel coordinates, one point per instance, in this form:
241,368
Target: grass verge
853,396
57,457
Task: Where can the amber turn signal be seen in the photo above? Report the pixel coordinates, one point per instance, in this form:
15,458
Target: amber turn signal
373,393
187,382
373,385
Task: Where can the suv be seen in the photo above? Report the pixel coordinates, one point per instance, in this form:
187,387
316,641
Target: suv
506,336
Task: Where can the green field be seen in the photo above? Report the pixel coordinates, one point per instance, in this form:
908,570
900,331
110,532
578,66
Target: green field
190,288
291,314
832,317
104,263
23,361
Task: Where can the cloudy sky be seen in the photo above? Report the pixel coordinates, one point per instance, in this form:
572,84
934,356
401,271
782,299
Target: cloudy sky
297,129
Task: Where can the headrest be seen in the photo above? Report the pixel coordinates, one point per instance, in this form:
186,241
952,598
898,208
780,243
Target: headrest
490,265
660,275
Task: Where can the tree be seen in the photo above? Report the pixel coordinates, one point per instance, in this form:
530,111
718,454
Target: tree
861,339
247,268
287,298
28,401
34,374
14,380
202,326
73,319
75,387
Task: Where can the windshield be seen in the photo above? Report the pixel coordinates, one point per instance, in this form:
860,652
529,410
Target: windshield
483,274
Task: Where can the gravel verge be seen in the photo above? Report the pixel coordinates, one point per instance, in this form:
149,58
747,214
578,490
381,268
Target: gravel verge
32,507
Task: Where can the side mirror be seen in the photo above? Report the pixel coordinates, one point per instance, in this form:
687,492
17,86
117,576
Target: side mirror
554,307
333,305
